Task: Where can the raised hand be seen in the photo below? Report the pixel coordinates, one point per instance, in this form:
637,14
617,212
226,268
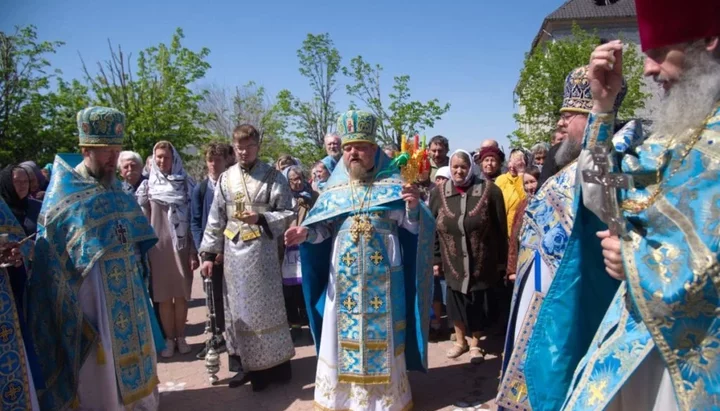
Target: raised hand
605,75
411,195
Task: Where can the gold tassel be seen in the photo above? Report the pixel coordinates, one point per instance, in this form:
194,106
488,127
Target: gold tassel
101,354
75,404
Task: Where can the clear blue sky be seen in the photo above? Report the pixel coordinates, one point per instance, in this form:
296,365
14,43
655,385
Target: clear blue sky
466,52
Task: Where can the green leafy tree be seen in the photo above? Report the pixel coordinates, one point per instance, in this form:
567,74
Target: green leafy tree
309,121
27,103
61,133
157,98
402,116
539,92
247,104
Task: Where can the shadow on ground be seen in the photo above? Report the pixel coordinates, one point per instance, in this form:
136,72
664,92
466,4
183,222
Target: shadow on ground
220,396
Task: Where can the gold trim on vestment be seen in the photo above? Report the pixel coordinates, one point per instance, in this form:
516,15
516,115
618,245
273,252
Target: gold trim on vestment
371,345
639,296
364,379
142,393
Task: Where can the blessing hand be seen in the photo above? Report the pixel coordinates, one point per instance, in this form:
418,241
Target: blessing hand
613,257
605,74
411,196
295,235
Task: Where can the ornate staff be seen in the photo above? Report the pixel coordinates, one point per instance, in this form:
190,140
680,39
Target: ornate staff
212,358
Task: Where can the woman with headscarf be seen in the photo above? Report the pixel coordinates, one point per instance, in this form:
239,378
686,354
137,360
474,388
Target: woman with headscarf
322,170
165,199
530,185
471,250
490,160
15,190
304,198
38,182
285,161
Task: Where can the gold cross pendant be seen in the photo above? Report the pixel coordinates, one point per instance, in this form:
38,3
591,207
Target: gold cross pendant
361,226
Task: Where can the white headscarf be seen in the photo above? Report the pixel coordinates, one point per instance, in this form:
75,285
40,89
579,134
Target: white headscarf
173,190
474,169
443,172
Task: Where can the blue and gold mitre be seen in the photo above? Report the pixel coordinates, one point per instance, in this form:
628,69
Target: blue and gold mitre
100,126
357,127
577,96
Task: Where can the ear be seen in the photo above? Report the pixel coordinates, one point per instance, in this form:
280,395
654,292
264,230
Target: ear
712,44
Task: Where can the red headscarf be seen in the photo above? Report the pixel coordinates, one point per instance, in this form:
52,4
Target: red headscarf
667,22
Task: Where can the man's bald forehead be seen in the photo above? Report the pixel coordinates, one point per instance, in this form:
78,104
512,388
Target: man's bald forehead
489,143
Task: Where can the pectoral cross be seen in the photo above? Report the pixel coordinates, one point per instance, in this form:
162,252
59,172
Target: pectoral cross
120,230
361,226
239,205
609,182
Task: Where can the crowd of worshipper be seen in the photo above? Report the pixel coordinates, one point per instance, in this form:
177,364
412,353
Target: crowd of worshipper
595,256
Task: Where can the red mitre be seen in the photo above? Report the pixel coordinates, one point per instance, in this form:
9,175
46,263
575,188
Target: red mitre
666,22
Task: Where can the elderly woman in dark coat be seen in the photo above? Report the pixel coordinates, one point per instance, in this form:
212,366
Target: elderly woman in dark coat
471,250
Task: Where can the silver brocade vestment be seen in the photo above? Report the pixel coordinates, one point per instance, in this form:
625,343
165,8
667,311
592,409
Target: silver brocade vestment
256,323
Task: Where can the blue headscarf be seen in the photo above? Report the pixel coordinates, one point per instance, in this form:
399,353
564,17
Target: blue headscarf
329,163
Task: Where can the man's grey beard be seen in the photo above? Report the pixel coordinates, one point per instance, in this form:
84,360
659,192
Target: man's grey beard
567,153
357,172
688,103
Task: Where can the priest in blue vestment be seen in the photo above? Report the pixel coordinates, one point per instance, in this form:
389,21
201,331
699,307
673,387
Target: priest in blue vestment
366,279
18,361
88,308
550,219
657,346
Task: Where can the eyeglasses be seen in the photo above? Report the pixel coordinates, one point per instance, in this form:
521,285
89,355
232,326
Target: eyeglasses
568,117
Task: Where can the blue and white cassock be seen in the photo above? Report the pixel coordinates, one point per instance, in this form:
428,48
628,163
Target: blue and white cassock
662,329
17,388
90,265
547,224
368,296
540,355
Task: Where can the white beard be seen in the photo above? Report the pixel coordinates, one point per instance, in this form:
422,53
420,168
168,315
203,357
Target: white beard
690,100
